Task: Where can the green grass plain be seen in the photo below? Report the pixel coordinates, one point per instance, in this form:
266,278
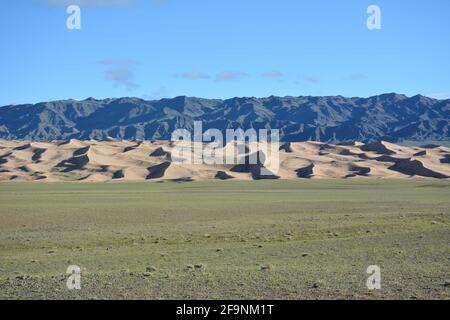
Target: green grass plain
305,239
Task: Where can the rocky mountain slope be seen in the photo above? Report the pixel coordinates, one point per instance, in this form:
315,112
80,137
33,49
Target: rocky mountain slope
389,117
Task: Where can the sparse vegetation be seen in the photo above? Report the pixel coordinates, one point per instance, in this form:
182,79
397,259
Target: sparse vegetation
265,239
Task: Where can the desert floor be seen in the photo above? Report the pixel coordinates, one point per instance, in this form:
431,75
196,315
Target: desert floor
292,239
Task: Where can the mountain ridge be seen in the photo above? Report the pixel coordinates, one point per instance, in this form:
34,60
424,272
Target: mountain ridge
391,117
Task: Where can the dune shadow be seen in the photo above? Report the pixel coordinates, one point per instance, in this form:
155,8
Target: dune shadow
416,168
222,175
306,172
158,171
74,163
37,154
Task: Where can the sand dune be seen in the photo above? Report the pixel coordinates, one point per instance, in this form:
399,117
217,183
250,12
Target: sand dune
90,161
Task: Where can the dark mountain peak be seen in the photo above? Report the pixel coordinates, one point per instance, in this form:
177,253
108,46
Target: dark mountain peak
125,100
422,99
391,96
180,99
242,100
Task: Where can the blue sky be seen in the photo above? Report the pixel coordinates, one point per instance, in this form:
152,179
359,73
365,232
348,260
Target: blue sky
222,48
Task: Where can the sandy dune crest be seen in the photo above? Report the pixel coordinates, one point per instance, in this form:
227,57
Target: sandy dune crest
76,160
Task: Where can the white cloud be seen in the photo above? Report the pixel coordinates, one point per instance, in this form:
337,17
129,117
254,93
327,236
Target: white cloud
196,75
356,77
273,74
310,79
120,72
230,75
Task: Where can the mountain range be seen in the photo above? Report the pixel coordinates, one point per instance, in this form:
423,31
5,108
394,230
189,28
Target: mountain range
389,117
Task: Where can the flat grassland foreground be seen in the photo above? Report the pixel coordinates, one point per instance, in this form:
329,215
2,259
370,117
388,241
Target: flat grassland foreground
219,240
